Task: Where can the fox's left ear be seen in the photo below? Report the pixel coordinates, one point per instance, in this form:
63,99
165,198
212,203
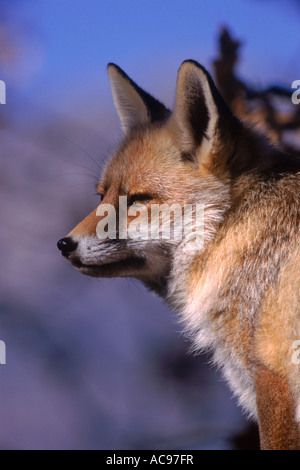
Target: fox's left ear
135,107
201,119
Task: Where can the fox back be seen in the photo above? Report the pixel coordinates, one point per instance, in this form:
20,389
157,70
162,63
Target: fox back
236,292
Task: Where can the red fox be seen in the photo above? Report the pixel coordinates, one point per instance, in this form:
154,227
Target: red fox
237,292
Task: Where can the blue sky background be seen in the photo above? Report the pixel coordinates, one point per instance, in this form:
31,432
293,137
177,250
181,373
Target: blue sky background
70,42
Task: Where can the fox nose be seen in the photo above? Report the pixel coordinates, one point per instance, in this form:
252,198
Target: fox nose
66,245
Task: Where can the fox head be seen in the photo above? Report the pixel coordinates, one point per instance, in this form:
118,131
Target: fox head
184,157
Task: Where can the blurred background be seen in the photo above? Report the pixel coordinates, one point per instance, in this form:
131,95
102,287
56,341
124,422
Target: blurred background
101,364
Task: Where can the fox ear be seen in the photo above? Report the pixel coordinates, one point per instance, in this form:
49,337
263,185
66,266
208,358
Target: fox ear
201,116
135,107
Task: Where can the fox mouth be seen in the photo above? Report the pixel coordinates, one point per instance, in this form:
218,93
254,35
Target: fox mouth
109,269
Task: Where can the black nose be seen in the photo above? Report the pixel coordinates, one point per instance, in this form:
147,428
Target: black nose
66,245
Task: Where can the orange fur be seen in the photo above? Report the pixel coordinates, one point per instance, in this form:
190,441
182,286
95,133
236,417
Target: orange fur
237,295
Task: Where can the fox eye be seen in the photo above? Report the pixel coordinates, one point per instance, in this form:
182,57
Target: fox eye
139,199
101,197
140,203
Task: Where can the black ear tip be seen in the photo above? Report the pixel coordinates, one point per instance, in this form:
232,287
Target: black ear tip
191,61
111,65
195,64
